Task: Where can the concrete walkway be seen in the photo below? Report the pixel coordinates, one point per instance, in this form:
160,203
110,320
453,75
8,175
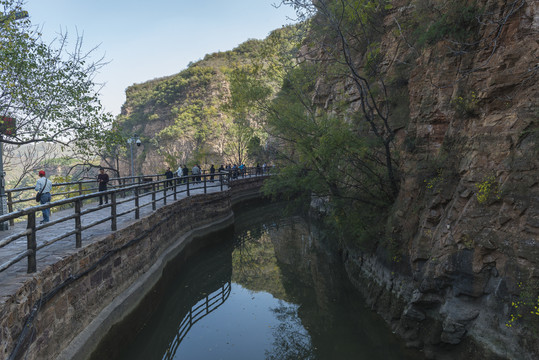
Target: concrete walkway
15,276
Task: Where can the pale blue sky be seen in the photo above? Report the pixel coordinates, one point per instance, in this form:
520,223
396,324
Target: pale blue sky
144,40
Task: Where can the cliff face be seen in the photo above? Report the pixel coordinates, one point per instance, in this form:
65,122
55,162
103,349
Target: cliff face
175,117
182,118
467,215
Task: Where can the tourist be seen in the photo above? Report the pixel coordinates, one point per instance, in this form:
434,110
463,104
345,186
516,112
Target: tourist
212,173
103,180
185,173
196,173
43,188
169,175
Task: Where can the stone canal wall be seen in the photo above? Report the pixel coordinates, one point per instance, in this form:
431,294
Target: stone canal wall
63,311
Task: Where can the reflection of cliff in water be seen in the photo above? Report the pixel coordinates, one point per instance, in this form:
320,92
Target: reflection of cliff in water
192,286
297,261
254,258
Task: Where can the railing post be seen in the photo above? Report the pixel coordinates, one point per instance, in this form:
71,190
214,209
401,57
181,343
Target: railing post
113,212
137,207
10,207
78,227
205,183
221,181
31,242
153,197
164,193
80,192
188,186
175,189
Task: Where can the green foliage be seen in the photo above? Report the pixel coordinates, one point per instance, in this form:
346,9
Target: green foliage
246,89
210,107
525,307
47,88
434,182
488,189
168,91
435,21
322,153
59,161
466,105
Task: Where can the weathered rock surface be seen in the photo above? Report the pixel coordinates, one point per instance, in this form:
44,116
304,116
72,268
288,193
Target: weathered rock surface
471,254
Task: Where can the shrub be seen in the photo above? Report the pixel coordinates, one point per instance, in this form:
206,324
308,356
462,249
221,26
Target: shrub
466,105
487,190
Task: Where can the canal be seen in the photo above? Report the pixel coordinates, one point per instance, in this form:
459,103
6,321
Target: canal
270,287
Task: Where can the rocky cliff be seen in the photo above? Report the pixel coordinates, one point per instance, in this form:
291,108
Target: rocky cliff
466,277
181,118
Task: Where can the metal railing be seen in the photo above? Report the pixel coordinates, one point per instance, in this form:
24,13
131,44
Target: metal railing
158,190
202,308
67,189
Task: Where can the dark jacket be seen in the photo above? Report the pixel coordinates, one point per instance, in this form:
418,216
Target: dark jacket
103,180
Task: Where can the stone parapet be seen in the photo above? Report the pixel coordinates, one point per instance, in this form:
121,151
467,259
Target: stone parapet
94,287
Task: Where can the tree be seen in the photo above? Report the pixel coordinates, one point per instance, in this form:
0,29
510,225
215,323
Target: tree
345,33
328,155
239,137
47,89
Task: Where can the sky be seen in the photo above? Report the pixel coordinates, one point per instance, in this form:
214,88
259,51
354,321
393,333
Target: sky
144,40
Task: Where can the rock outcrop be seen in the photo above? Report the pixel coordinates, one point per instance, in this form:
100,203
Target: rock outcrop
467,215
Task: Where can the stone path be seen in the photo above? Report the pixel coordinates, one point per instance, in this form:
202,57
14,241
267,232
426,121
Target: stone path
12,278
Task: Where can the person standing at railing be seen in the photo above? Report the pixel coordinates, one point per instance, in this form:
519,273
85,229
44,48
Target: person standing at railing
169,175
196,173
44,186
212,173
179,171
221,171
185,173
103,180
242,169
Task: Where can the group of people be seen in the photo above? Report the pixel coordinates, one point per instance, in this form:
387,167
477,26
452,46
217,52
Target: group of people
183,172
44,188
44,185
233,171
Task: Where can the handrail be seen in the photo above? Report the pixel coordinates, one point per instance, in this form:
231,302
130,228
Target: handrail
121,181
156,190
201,309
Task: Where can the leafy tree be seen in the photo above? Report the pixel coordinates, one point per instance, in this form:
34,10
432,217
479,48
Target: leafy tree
239,135
345,35
329,155
47,89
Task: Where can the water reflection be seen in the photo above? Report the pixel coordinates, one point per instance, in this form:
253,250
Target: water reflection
201,309
273,290
291,338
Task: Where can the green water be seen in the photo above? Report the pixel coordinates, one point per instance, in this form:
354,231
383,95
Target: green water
270,288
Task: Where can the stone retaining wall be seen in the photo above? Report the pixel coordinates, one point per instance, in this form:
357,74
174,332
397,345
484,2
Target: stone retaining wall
96,285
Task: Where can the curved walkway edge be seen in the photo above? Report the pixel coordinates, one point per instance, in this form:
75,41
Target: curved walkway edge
85,343
63,310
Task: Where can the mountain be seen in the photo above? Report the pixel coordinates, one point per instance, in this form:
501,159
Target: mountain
181,118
